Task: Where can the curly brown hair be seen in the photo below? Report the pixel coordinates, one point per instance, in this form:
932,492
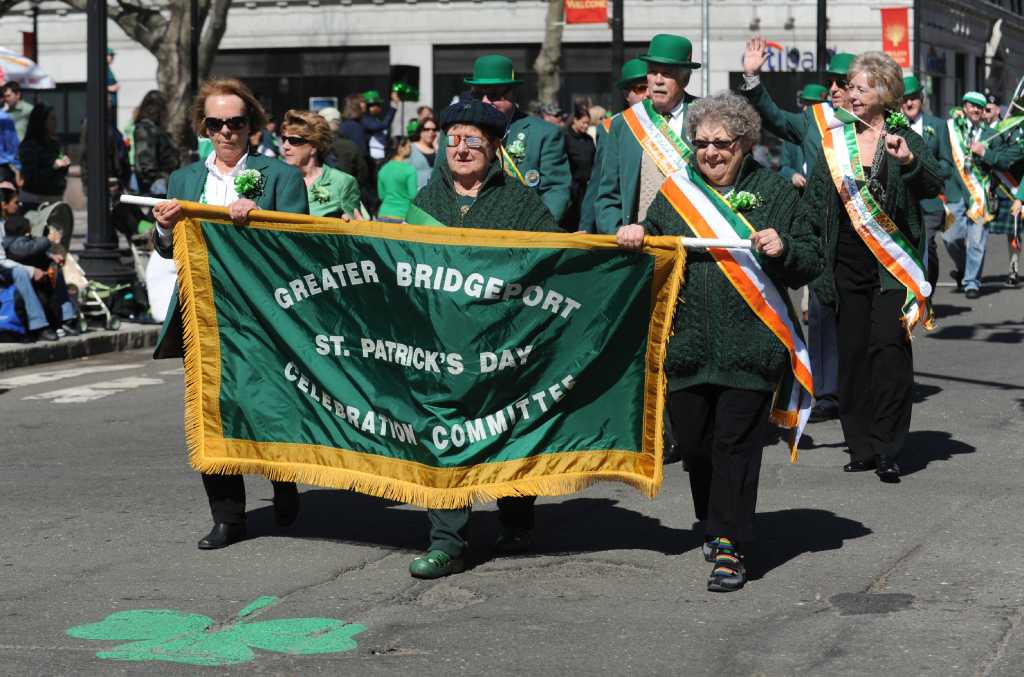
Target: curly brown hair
310,126
227,87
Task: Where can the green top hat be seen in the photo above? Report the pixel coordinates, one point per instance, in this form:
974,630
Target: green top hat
632,70
493,69
977,98
372,96
814,94
839,64
911,85
673,50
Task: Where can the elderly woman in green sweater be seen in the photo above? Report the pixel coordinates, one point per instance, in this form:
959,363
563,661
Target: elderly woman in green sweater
724,362
865,190
471,190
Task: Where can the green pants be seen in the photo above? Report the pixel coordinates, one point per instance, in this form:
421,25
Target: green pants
449,528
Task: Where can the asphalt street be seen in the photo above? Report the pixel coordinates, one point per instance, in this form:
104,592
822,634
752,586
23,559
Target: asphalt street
101,515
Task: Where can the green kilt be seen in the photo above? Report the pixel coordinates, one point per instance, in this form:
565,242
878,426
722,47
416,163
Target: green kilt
1002,224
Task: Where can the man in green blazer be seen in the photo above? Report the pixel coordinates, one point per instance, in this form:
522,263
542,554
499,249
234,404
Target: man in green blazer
226,112
534,150
633,84
622,195
793,163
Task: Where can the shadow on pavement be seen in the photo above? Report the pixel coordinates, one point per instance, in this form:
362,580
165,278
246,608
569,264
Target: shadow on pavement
943,310
1007,331
923,391
786,534
924,446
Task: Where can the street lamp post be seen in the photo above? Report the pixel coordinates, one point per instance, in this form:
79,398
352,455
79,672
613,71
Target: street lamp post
618,44
705,23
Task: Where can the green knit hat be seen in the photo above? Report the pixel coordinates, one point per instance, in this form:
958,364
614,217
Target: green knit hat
632,70
674,50
839,64
814,94
911,86
977,98
493,69
372,96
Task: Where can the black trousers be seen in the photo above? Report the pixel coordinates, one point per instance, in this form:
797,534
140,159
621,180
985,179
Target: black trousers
876,373
720,433
227,496
449,529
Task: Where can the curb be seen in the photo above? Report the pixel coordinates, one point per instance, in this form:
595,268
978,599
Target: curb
129,337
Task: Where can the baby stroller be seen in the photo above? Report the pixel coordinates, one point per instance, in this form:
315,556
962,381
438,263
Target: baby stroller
93,297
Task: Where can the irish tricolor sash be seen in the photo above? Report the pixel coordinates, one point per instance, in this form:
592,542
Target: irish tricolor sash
825,118
975,182
669,152
709,215
873,225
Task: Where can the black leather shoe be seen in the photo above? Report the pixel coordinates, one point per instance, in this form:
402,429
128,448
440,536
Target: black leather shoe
888,472
824,411
972,293
860,466
286,508
222,535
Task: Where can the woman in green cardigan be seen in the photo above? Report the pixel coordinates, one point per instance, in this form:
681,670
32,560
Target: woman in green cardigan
306,139
471,190
397,181
723,362
874,243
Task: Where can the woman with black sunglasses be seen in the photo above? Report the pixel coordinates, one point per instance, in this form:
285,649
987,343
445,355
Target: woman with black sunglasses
226,112
306,139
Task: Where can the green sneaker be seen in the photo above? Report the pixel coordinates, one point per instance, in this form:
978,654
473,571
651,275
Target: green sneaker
435,564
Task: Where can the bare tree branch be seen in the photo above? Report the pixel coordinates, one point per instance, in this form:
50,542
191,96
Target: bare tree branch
213,30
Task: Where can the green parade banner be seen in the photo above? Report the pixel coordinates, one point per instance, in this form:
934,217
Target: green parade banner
429,365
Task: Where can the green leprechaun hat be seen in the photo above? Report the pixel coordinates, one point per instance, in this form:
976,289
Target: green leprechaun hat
911,85
372,96
493,69
977,98
839,64
632,70
673,50
814,94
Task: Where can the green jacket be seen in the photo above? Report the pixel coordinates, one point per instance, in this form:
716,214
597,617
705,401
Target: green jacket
717,338
936,140
905,187
396,186
503,204
796,128
588,210
284,191
616,202
545,165
333,194
791,161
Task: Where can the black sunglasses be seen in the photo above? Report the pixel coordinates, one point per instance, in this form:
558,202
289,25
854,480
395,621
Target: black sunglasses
295,140
720,144
234,124
839,82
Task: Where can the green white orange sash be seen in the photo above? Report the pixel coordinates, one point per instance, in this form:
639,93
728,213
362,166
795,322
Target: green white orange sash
825,118
873,225
669,152
975,182
708,215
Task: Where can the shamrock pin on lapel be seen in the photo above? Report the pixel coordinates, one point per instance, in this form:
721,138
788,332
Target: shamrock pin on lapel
177,637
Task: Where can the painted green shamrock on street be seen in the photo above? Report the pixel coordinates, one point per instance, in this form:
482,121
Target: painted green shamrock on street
177,637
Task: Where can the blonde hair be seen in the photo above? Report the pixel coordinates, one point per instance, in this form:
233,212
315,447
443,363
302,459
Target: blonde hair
310,126
883,73
227,87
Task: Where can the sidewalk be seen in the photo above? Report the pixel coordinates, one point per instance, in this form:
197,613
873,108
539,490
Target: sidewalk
94,342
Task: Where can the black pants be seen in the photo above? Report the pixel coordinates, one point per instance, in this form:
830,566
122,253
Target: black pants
449,529
933,223
876,373
720,433
227,496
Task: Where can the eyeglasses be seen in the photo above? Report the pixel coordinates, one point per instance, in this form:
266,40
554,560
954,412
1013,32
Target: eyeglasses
492,93
474,142
294,140
234,124
720,144
838,82
639,88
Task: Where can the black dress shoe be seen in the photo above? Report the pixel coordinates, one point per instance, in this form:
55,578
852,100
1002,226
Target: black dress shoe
824,411
286,508
972,293
222,535
860,466
888,472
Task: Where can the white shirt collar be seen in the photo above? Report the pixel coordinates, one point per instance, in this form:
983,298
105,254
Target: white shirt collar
678,110
211,166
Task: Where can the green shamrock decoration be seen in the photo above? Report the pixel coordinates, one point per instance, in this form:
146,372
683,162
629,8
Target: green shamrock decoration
177,637
897,120
517,149
744,201
320,194
250,183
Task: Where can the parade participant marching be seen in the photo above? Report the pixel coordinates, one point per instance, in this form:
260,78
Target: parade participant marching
647,142
735,340
966,238
805,129
933,210
226,111
471,190
306,139
866,187
533,151
633,85
792,163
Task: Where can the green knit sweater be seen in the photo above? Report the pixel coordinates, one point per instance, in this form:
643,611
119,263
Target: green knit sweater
905,187
503,204
718,339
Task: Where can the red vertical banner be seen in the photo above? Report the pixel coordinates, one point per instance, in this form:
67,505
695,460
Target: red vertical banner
896,35
586,11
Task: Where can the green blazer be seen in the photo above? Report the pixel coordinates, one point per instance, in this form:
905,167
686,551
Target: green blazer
341,196
936,140
285,191
619,185
796,128
588,210
791,161
545,165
